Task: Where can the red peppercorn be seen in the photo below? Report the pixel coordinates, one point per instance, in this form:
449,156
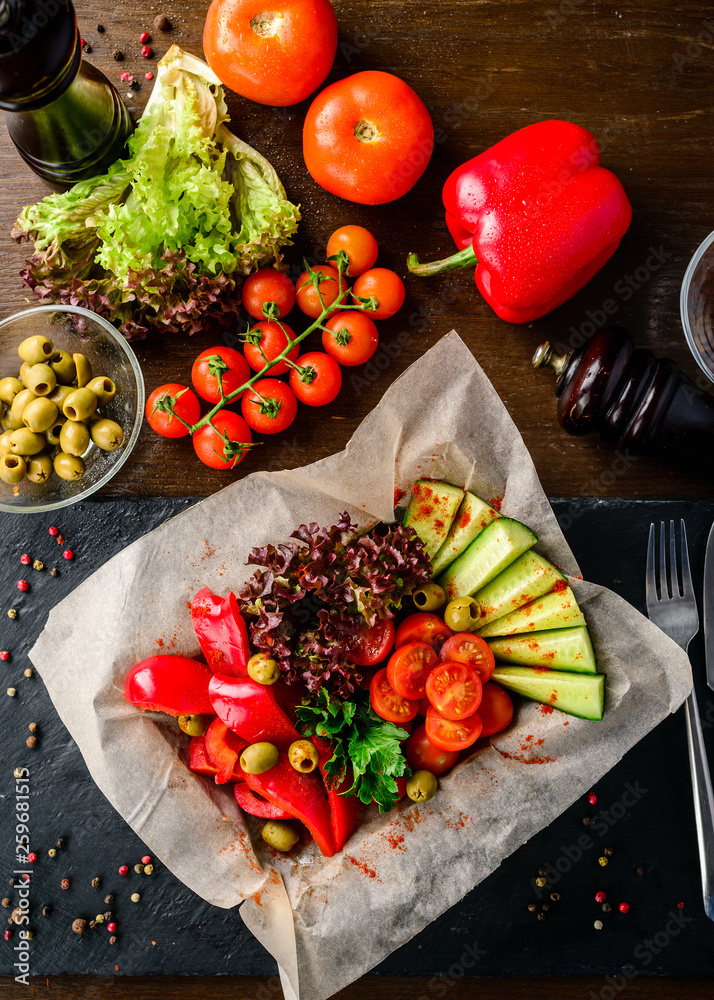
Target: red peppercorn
144,37
53,531
592,798
624,907
680,906
68,554
7,935
64,884
147,51
32,857
23,585
25,559
111,926
148,76
82,42
4,655
124,870
146,860
600,897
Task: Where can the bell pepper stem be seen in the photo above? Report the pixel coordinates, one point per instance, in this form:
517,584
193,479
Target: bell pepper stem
464,258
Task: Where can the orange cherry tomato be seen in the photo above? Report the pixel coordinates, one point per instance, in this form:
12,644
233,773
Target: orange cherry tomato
446,734
423,627
386,286
267,285
307,295
454,689
496,709
351,338
272,339
385,701
465,647
408,668
359,245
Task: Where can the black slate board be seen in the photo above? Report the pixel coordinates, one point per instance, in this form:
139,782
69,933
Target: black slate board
489,933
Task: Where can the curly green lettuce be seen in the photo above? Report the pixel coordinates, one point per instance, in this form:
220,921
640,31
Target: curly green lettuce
162,240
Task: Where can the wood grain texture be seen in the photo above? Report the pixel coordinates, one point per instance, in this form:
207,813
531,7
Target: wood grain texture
633,73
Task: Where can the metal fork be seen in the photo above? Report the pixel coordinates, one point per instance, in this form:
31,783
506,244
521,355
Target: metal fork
675,612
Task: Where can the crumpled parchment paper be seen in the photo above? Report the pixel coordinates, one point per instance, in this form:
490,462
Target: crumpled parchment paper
327,921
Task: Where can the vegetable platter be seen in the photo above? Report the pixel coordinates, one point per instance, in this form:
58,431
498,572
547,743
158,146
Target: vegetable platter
442,420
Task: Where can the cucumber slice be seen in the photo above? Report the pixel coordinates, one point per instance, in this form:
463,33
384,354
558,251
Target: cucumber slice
558,609
431,510
530,576
560,649
472,517
497,546
577,694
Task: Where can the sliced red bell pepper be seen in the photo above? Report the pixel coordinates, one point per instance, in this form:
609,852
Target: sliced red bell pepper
200,763
343,808
221,633
255,805
299,794
172,684
224,748
251,710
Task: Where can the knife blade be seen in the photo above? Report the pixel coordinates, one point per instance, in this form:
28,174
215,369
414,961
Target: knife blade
709,607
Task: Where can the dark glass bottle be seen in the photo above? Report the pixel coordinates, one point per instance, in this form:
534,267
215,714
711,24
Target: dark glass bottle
65,118
644,404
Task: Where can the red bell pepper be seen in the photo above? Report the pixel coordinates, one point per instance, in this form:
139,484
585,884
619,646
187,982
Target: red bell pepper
299,794
221,633
223,748
538,216
251,710
255,805
200,763
172,684
343,808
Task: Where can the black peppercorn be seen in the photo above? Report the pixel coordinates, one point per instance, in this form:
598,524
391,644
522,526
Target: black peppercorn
101,29
118,55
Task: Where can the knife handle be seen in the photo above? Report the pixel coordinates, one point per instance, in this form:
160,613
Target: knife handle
703,801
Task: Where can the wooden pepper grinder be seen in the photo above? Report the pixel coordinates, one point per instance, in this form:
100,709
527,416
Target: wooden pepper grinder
643,404
65,118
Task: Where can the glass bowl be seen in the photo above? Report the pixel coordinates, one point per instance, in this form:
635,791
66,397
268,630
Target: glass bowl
696,304
74,329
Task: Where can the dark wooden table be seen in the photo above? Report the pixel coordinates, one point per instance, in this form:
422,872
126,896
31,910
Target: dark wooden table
639,75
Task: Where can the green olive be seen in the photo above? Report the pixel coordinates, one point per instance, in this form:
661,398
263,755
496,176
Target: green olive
83,369
39,414
103,388
303,756
259,757
69,467
107,435
35,349
194,725
10,422
462,614
24,370
3,408
52,434
74,437
12,468
5,442
422,786
41,379
9,388
80,404
39,468
20,401
430,597
60,393
64,367
262,669
23,441
279,835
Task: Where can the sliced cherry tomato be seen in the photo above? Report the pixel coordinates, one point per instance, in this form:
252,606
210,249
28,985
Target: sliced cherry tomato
385,701
496,709
307,295
465,647
351,338
424,756
222,443
264,286
318,381
445,734
408,668
219,363
267,340
359,245
423,627
372,643
454,689
270,406
386,286
184,403
169,683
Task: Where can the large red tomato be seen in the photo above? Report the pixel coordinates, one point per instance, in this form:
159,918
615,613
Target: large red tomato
368,138
276,53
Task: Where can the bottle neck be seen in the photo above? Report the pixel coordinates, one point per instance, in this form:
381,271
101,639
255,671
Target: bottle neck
40,52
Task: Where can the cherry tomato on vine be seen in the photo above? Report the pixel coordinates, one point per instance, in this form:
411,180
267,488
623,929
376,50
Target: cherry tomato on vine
277,54
268,285
372,643
271,341
359,245
423,626
352,338
454,689
424,756
269,406
184,403
219,446
446,734
387,703
408,668
496,709
230,365
318,381
307,296
386,286
465,647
